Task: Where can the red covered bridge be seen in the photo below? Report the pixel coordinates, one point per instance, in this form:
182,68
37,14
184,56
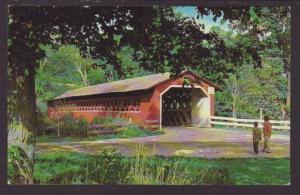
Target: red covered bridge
151,101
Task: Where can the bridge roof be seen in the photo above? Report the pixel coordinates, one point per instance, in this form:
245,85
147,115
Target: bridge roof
127,85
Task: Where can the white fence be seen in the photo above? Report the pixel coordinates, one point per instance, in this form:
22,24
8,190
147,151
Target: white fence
235,122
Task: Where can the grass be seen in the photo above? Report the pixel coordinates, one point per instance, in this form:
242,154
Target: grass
77,168
252,171
128,132
261,171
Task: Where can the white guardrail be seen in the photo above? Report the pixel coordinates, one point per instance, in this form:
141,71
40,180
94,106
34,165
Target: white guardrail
235,122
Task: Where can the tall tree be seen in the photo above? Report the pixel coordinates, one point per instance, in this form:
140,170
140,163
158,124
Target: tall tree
234,86
268,26
62,70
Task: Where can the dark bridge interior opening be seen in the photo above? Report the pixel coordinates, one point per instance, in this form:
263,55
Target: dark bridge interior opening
176,107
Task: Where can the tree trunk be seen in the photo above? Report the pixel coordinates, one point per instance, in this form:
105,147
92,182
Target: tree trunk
86,78
288,98
22,115
234,109
83,76
58,128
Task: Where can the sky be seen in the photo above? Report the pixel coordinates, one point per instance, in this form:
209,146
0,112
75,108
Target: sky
190,11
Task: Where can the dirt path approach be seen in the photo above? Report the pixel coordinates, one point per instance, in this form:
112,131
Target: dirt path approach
183,141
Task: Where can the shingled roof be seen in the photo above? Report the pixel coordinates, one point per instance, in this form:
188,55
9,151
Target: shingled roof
127,85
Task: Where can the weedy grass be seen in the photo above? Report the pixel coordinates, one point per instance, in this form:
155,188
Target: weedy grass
110,167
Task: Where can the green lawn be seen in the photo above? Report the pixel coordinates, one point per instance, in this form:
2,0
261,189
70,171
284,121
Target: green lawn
251,171
74,168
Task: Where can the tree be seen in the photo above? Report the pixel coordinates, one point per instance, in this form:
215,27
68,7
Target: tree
251,89
269,29
262,35
234,87
130,65
62,70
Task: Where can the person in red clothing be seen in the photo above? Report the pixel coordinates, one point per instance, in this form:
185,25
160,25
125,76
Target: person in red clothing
267,130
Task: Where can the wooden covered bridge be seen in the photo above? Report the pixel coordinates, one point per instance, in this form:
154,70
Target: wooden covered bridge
151,101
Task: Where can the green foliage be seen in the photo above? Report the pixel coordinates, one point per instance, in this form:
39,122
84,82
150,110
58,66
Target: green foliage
127,132
62,70
108,167
264,88
262,38
66,125
96,76
73,126
46,126
132,130
75,168
129,66
256,171
76,129
61,167
105,120
19,165
144,173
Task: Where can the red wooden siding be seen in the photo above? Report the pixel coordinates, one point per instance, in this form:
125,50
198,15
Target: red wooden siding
142,108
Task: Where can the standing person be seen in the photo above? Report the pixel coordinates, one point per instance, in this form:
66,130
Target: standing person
256,133
267,134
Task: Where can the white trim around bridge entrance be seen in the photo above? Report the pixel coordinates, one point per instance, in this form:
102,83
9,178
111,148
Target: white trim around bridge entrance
175,86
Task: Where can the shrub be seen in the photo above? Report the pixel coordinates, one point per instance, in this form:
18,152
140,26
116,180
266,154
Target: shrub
67,125
46,125
19,166
73,126
108,120
82,126
102,120
110,167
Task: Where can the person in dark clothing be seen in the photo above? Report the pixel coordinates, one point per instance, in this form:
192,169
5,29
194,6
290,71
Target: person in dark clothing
256,133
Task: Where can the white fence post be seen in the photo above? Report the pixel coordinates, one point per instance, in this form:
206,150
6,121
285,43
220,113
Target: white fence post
234,122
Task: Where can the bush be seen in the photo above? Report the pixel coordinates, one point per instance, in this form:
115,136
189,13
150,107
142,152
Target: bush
73,126
108,120
102,120
46,126
19,166
111,167
68,126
